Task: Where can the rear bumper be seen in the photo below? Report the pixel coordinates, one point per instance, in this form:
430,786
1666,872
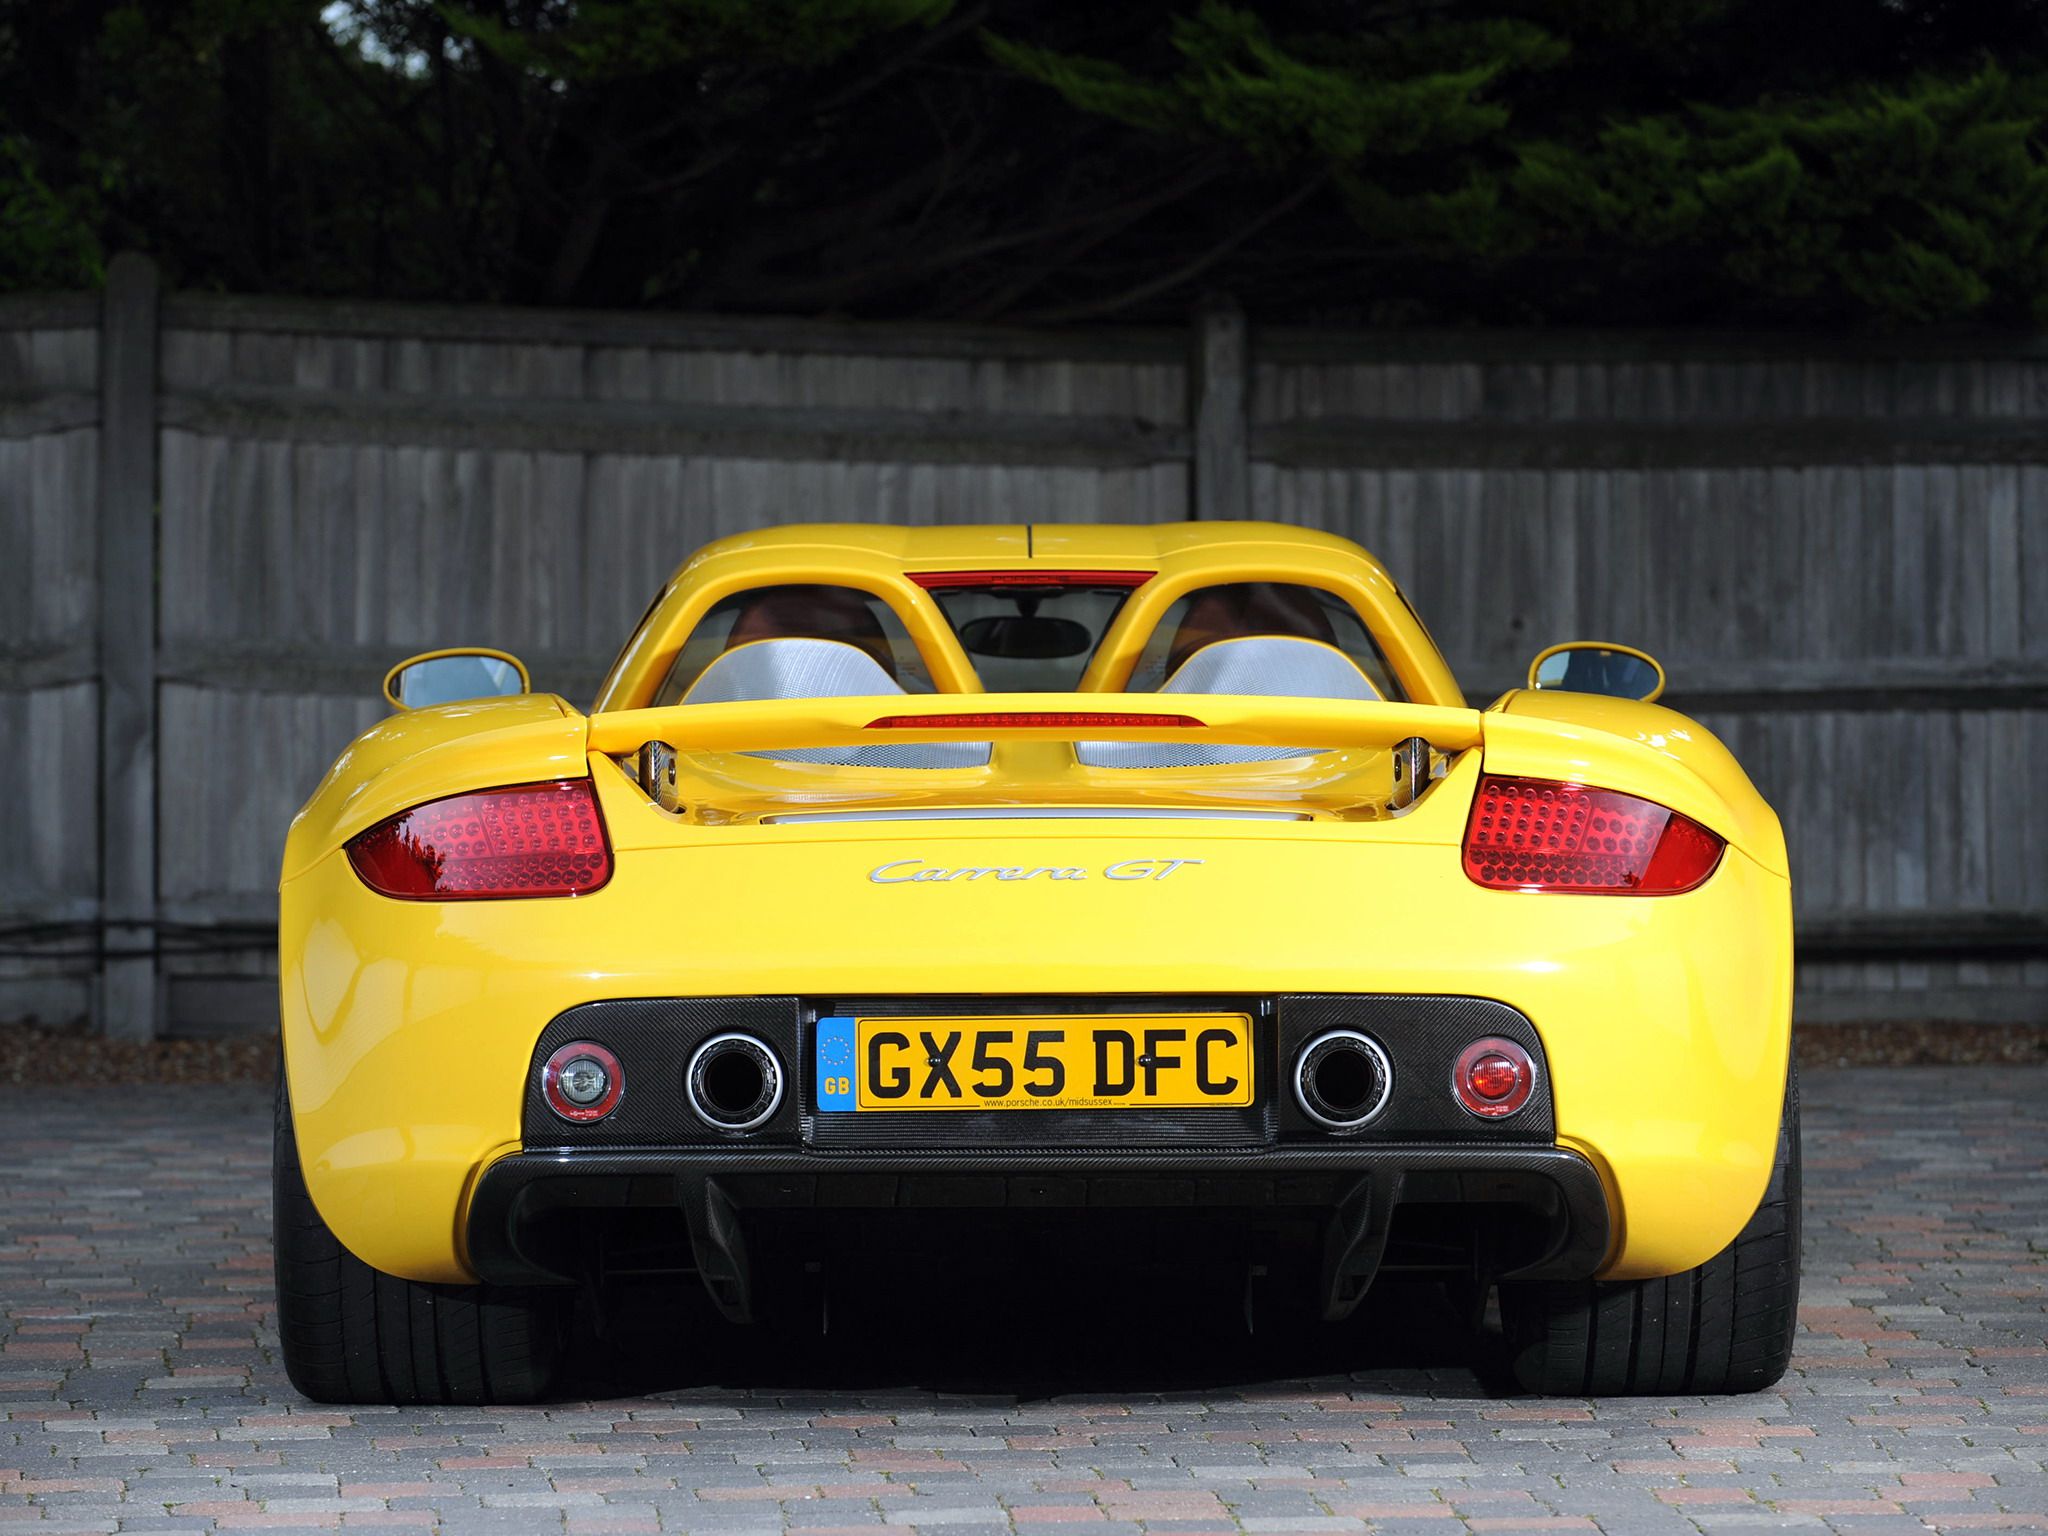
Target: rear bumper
1529,1207
1551,1196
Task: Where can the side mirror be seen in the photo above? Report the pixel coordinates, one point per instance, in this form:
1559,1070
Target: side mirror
454,677
1590,666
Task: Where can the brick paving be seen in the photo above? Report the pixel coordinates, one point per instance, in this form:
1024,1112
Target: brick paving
141,1390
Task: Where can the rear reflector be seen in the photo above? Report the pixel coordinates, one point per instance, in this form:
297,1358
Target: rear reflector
582,1082
1493,1078
934,581
1034,720
523,840
1537,835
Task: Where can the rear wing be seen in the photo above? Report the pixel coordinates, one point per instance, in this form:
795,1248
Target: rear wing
776,725
1639,749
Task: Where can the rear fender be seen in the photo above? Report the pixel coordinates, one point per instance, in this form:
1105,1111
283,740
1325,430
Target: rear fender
423,754
1638,749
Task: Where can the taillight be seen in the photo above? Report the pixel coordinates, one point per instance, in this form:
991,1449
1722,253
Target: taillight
1493,1078
1537,835
523,840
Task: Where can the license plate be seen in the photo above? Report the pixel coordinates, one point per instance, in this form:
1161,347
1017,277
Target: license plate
1057,1061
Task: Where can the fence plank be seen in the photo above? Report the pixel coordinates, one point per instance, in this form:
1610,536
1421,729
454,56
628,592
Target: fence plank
427,324
1513,436
1218,377
34,417
49,701
465,419
127,633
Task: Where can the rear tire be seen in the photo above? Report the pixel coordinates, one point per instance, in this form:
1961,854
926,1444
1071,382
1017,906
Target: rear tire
1724,1327
352,1334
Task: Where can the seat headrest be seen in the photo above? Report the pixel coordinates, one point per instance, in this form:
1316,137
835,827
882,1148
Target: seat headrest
790,669
1272,666
1269,666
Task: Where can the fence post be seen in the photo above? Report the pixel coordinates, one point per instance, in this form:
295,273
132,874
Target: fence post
1218,384
127,1002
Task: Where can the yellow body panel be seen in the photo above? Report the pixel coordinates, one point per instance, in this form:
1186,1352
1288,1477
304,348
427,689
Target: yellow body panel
1645,749
409,1026
423,754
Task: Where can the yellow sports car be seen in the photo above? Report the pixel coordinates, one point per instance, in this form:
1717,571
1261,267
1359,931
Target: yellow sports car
1039,874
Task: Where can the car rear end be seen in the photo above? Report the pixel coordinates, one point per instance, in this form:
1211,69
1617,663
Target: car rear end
729,973
1282,1015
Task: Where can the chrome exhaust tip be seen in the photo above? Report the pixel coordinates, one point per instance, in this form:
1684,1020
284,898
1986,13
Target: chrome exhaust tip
1342,1079
734,1082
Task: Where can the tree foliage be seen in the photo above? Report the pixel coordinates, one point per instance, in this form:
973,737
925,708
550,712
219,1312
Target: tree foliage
1346,161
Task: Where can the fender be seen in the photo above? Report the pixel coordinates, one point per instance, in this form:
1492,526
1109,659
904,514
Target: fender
1638,749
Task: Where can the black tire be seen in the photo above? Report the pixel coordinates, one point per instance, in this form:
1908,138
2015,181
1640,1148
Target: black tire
1724,1327
352,1334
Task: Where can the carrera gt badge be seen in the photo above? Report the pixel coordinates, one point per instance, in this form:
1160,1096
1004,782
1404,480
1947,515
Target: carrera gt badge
913,871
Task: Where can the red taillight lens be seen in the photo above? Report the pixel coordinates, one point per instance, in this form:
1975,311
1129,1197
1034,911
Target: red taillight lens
524,840
1536,835
1493,1078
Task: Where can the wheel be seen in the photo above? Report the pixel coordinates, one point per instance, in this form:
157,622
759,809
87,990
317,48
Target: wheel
1723,1327
352,1334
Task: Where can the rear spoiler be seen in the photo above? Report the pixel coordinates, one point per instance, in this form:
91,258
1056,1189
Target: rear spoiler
1224,719
1688,770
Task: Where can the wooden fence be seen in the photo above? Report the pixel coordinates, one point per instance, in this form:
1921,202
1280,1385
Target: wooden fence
221,519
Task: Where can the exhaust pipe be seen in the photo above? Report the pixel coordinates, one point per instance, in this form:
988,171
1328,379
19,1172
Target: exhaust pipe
734,1082
1342,1079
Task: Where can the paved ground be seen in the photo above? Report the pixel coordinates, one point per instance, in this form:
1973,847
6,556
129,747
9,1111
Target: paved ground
141,1390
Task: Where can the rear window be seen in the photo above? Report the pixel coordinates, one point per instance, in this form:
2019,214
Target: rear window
1236,609
1034,639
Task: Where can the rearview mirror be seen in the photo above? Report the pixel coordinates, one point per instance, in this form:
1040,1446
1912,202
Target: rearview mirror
1024,637
1589,666
454,677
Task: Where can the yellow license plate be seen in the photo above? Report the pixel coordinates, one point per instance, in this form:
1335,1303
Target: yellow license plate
1053,1061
